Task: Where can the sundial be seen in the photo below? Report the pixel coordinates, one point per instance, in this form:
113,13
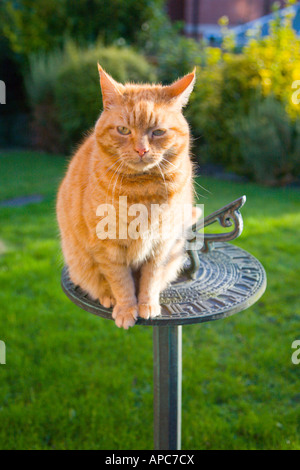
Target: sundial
219,280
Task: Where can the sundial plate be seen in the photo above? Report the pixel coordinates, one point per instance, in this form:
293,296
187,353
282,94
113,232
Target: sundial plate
228,281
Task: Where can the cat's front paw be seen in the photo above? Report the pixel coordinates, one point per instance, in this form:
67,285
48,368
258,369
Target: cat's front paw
150,310
125,316
107,301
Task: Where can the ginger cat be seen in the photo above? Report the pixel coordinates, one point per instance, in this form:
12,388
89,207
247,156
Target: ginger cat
138,149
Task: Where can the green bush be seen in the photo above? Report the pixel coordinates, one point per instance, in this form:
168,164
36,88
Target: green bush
269,142
235,93
173,54
222,90
241,100
39,26
65,94
77,90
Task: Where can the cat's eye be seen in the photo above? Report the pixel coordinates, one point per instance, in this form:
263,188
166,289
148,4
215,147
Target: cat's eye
158,132
123,130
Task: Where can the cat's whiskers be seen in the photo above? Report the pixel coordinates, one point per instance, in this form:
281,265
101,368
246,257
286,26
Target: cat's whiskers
195,182
180,171
111,180
111,166
117,177
202,187
198,194
114,164
176,167
163,177
121,183
171,173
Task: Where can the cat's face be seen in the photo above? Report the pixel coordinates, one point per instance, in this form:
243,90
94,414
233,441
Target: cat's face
142,125
143,134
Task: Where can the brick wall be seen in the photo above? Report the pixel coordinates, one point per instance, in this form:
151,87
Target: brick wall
199,14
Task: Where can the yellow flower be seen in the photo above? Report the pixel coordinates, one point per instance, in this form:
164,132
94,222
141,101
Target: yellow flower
264,73
267,82
296,74
223,21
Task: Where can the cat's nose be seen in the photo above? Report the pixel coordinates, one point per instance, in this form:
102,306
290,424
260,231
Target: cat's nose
141,151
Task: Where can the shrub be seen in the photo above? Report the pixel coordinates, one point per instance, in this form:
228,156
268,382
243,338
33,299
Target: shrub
40,85
277,61
222,90
39,26
77,90
174,54
65,93
237,93
269,142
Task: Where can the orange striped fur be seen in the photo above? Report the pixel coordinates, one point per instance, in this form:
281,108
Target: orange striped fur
128,274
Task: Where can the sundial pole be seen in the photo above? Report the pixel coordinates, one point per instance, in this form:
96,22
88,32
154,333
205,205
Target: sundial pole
167,343
167,367
219,281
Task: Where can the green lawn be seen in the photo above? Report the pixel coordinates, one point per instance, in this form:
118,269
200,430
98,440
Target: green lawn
75,381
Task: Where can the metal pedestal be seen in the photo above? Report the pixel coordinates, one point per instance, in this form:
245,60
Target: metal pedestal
167,379
228,281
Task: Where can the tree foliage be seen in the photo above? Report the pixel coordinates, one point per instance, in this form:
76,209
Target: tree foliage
244,106
39,25
64,90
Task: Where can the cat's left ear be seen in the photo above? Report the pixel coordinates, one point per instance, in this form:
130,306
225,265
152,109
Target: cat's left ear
180,90
111,90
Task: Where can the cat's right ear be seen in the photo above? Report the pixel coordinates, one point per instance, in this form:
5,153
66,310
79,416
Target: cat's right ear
111,90
180,91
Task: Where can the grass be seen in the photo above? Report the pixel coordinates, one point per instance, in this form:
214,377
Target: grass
74,381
